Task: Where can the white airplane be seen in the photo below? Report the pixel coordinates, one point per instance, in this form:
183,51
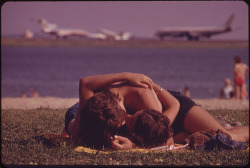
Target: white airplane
98,36
116,36
195,33
52,29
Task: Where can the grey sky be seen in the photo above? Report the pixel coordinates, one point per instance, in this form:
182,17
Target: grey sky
141,18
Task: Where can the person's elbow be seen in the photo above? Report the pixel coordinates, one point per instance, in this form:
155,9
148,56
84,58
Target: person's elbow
83,82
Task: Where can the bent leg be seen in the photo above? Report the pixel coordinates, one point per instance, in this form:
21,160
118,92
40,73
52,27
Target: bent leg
237,91
198,119
241,92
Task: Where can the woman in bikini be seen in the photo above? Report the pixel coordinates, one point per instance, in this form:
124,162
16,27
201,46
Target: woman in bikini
240,72
134,93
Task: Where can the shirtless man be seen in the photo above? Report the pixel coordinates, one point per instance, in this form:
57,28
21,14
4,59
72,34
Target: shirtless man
240,71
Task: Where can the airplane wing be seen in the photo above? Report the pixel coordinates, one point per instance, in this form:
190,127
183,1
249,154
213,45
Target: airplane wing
121,36
108,32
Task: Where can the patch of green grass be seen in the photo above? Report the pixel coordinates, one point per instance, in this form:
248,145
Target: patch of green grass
20,146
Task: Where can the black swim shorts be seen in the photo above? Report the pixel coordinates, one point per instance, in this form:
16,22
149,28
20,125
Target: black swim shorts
70,114
185,105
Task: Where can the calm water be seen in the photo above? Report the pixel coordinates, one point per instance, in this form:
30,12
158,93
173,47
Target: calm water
55,71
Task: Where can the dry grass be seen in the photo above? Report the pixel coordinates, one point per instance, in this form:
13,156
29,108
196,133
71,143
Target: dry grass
20,145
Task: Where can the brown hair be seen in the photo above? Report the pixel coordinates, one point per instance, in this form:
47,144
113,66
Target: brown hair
101,118
237,59
152,128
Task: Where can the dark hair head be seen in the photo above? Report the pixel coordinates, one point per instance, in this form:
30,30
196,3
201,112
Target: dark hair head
152,128
101,119
237,59
186,88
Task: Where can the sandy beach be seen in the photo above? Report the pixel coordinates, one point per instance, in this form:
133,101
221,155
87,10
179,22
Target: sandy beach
38,102
63,103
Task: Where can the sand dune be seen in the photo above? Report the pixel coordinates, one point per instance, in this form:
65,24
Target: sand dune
62,103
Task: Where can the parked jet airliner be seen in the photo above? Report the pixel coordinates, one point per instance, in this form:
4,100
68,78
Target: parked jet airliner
195,33
52,29
103,34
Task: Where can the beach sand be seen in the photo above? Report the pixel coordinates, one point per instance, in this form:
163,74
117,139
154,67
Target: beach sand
63,103
38,102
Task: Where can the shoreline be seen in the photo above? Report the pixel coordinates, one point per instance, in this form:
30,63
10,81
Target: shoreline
136,43
64,103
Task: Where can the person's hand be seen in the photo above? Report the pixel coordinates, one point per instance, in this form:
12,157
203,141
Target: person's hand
140,80
119,142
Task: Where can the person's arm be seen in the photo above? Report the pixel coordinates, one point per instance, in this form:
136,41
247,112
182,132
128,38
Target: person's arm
247,70
170,104
170,141
88,85
122,143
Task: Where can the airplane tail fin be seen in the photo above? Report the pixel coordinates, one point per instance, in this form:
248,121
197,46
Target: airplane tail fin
46,26
229,21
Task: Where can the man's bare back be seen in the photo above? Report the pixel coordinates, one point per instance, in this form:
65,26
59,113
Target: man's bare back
241,70
134,99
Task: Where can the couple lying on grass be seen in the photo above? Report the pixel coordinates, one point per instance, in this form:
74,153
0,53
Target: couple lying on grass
128,110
